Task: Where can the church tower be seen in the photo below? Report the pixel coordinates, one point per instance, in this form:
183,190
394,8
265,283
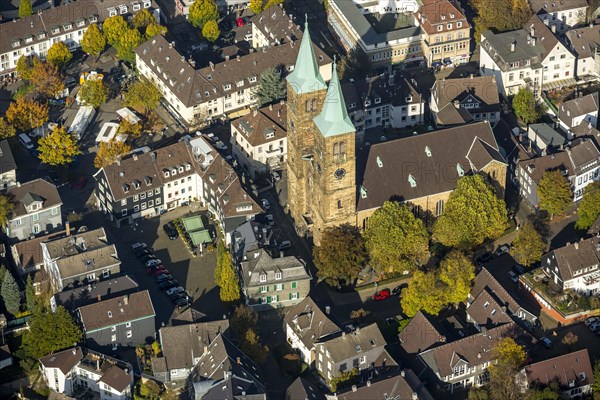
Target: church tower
306,91
332,169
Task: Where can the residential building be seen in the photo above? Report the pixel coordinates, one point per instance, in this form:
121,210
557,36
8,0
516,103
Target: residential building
580,165
584,43
575,266
532,57
269,282
72,299
446,33
544,139
37,210
461,150
28,255
148,184
464,362
259,140
486,287
249,237
78,259
583,109
486,312
8,167
572,372
74,371
225,372
585,130
182,346
382,101
125,321
560,16
198,95
273,27
462,100
404,385
306,325
358,29
301,389
362,349
34,35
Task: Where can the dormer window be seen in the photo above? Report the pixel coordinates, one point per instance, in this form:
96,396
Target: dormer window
67,27
93,19
278,275
148,180
363,192
449,26
180,168
136,184
408,99
428,151
166,173
122,9
80,23
252,79
377,100
439,28
146,3
55,30
263,277
112,11
460,170
188,167
240,83
29,39
352,105
42,35
174,171
16,43
367,103
125,188
136,6
109,314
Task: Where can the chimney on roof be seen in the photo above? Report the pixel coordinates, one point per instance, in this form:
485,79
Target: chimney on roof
212,66
126,299
238,361
512,47
98,364
135,156
327,310
402,373
171,45
533,40
553,28
576,245
415,396
368,383
227,57
271,107
471,76
192,62
456,104
99,297
238,58
68,228
118,160
354,388
153,156
255,112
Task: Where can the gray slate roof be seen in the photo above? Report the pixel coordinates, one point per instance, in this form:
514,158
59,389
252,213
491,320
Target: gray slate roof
301,389
486,311
78,243
291,268
91,260
116,311
21,194
7,161
309,322
344,346
401,386
584,41
578,107
71,299
548,135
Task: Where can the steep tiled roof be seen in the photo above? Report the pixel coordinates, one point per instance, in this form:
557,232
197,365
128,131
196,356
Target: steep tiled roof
7,162
430,158
578,106
486,311
485,281
116,311
28,253
537,167
309,322
116,378
291,268
344,346
40,189
77,243
482,89
584,41
267,124
434,13
420,334
551,6
64,360
389,89
564,369
92,260
77,297
301,389
402,386
574,258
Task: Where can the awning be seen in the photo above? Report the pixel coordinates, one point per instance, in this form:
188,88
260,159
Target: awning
200,237
436,64
192,224
447,61
559,84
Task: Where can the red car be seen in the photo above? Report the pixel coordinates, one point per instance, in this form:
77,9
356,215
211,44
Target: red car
160,271
151,270
80,183
382,295
240,22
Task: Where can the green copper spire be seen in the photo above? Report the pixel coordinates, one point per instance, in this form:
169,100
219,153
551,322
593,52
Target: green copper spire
333,119
305,77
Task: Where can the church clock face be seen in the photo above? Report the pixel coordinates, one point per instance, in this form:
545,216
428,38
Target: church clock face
339,173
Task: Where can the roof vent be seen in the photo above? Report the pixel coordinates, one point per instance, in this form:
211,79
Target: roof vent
412,181
379,162
428,151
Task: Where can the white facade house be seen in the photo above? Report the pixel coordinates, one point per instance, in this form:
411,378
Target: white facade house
560,15
531,57
585,44
73,371
8,167
581,110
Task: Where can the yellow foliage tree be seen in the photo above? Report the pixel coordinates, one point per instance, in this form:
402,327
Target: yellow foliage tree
46,79
58,148
59,55
108,152
27,114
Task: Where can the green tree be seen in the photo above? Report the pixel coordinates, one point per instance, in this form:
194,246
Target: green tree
524,105
271,3
27,114
50,332
343,379
150,390
109,151
127,128
395,239
555,193
478,393
59,55
93,93
3,271
6,207
529,246
211,31
587,213
156,348
596,384
24,67
547,393
229,288
30,296
243,318
154,29
142,19
424,292
472,215
256,6
58,147
47,79
509,357
11,295
499,15
6,129
456,272
271,86
125,47
93,41
25,8
144,94
253,348
114,28
202,11
341,255
223,258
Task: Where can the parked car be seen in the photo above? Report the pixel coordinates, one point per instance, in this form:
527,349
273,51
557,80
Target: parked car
518,268
175,290
152,269
142,251
513,277
240,22
160,271
152,262
398,289
168,284
183,302
265,204
164,277
177,296
501,250
546,342
138,245
382,295
594,327
270,220
147,257
286,244
485,257
170,230
592,320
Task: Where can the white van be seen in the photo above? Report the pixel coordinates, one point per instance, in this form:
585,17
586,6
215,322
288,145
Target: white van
25,141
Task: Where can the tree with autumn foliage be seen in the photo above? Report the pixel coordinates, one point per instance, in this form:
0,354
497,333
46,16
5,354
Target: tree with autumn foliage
47,79
58,148
555,193
211,31
114,28
529,245
109,151
202,11
456,272
93,93
499,15
59,55
26,114
93,41
509,357
154,29
142,94
25,65
127,128
256,6
341,255
6,129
